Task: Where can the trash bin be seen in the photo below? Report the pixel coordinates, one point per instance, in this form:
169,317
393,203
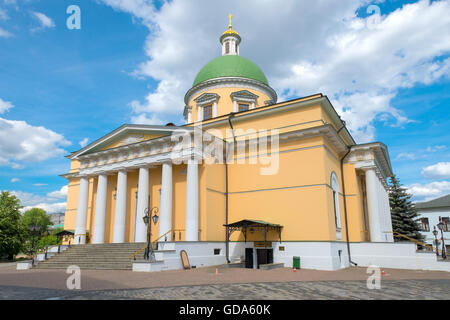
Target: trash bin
296,262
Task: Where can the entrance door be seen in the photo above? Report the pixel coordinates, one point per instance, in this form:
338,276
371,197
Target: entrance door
264,256
249,258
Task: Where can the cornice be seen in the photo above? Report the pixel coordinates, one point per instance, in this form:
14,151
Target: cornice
224,82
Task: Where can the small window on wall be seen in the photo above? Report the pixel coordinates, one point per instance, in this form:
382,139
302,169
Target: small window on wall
216,252
424,224
243,107
207,112
227,47
446,222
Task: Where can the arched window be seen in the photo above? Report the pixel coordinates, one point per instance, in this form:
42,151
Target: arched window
337,213
227,47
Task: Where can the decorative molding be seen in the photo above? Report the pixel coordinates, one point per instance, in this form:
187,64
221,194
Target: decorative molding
230,82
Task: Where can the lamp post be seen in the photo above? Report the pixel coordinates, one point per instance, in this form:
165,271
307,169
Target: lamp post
440,225
436,241
34,228
148,219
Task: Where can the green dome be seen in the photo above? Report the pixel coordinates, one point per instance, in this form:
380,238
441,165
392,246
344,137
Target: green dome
230,66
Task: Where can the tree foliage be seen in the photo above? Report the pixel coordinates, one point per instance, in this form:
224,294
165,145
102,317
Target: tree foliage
36,217
12,231
403,212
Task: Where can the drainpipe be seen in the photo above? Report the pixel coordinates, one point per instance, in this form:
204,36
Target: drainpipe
227,246
345,201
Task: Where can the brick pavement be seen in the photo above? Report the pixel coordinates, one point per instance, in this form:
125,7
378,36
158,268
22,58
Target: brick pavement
203,283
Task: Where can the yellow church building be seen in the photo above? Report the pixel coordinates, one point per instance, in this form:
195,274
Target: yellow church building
246,178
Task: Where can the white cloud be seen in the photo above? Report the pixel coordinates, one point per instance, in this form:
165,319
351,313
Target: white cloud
45,21
48,203
406,155
3,15
4,33
13,180
439,170
49,207
22,142
326,49
83,142
436,148
429,191
61,193
5,106
40,184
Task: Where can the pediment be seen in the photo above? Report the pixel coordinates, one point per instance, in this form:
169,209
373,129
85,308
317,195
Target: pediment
206,97
244,94
126,135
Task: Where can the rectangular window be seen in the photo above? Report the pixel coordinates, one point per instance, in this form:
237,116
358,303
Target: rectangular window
207,112
424,224
216,252
243,107
446,222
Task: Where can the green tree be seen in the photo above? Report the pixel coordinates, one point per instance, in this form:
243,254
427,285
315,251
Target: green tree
403,212
35,217
12,231
47,241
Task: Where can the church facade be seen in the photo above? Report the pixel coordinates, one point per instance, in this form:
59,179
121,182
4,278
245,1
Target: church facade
246,175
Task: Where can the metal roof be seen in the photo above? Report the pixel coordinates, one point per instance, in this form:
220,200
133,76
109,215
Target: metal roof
435,203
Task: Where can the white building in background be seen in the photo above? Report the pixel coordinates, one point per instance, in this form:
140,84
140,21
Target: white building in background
57,219
430,212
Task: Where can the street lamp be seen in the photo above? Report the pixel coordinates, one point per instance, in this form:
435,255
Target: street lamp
440,225
146,218
436,241
34,228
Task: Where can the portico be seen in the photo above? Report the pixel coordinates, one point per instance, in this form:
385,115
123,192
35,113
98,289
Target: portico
151,165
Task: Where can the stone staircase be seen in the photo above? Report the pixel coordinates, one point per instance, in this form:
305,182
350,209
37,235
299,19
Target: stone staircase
115,256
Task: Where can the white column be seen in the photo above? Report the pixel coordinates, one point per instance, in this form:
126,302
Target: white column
234,106
142,204
192,201
121,208
215,109
165,212
252,105
199,113
100,210
80,224
373,206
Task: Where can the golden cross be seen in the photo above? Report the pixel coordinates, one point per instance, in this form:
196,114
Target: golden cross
229,17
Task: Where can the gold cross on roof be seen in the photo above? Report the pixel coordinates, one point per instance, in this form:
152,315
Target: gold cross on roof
229,17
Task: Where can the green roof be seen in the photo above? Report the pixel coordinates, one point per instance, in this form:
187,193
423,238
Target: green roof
230,66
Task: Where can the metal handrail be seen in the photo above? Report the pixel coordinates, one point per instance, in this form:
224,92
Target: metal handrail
133,256
396,234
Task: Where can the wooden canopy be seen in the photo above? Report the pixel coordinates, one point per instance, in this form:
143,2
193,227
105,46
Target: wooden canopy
252,225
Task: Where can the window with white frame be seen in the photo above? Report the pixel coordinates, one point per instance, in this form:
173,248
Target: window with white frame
207,112
337,212
424,224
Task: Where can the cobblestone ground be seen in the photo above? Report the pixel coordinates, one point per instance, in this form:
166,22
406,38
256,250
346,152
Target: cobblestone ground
323,290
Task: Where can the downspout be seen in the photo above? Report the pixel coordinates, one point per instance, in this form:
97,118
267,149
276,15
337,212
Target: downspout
227,242
345,201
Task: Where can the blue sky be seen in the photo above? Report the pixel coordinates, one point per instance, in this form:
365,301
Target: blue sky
133,60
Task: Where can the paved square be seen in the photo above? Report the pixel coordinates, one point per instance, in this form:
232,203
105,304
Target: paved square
232,284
